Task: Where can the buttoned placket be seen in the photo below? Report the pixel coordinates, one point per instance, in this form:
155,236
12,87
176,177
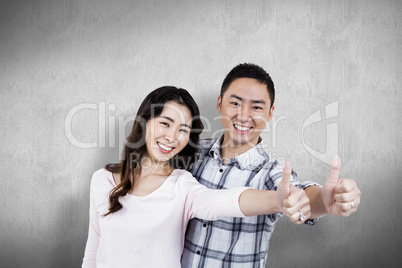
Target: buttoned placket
205,224
220,170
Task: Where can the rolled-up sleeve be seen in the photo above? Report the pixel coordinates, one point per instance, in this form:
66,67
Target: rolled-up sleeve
276,175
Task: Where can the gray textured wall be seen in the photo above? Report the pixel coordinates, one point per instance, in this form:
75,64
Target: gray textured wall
56,56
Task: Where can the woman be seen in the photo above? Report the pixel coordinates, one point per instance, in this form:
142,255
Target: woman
139,208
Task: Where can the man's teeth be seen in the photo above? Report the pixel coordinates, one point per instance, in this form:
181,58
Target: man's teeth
164,147
242,128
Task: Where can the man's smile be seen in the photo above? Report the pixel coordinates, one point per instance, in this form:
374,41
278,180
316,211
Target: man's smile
242,129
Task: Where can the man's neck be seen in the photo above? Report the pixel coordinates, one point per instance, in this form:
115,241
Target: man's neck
230,149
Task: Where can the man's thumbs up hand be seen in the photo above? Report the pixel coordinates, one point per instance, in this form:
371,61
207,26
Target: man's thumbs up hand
292,201
340,195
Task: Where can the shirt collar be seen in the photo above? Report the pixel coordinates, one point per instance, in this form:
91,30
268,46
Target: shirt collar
251,158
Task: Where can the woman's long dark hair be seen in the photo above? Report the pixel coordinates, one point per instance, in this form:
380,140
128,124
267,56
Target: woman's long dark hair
135,147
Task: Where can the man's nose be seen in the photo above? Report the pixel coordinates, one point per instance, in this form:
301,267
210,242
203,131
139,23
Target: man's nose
243,113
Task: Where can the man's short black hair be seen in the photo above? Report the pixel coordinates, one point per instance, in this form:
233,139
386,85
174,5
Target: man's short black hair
249,70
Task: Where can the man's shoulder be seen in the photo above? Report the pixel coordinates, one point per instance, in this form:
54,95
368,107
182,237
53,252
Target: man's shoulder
207,142
260,156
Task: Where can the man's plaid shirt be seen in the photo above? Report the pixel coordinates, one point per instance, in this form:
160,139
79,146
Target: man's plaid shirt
234,242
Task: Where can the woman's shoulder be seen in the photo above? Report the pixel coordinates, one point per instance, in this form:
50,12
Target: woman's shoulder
181,173
184,177
102,178
102,173
179,176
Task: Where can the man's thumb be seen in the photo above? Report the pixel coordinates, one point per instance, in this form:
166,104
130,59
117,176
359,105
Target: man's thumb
334,173
285,183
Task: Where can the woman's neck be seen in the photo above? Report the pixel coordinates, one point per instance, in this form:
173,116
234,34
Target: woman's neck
149,167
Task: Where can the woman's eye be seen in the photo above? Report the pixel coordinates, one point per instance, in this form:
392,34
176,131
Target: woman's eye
183,130
165,124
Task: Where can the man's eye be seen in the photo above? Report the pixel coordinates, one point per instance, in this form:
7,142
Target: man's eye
235,103
257,107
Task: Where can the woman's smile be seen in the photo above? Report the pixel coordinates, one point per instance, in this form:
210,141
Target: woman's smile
164,148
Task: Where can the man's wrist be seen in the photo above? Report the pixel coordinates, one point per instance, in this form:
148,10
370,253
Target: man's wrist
318,207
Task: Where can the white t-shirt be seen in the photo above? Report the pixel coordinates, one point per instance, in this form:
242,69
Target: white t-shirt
149,231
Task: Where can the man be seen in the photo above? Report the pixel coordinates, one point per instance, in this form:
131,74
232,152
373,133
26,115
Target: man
246,104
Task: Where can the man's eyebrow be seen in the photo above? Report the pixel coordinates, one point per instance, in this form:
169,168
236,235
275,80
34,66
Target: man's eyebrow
258,101
253,101
236,97
171,120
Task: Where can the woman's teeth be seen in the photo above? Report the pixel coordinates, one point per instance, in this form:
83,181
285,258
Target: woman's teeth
164,147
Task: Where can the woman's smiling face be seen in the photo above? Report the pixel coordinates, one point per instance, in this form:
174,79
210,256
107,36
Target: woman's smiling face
169,133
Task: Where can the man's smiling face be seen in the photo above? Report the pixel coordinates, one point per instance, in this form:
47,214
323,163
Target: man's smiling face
245,111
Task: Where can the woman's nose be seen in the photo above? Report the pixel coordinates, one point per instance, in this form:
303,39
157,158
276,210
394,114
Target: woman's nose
171,136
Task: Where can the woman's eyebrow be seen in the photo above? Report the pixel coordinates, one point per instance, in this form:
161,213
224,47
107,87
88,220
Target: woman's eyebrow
167,118
171,120
185,125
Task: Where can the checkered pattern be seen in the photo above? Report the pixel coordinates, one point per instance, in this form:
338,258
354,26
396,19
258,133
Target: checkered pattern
234,242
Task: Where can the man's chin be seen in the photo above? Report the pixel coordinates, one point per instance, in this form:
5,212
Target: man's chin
241,141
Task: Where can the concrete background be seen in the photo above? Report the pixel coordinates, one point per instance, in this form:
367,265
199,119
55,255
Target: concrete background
57,56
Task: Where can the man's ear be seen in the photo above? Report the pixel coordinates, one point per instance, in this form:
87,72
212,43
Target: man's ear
219,104
271,111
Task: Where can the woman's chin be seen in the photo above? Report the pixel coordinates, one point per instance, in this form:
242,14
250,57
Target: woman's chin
164,159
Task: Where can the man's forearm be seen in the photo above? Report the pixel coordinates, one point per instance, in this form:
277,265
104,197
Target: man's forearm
257,202
318,208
